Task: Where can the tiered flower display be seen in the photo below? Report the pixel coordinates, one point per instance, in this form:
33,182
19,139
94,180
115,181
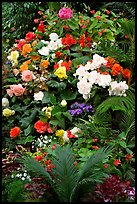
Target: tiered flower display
54,79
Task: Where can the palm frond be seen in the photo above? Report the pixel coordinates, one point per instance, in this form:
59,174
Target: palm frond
90,166
31,164
123,103
65,172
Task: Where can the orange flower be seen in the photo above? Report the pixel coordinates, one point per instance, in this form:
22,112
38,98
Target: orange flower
34,43
44,63
35,57
24,66
26,49
126,73
15,132
95,147
116,69
110,62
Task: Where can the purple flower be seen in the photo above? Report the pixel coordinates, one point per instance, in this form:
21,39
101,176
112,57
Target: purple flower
78,111
65,13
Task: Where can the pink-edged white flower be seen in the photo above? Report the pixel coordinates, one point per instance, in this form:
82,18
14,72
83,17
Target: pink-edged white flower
27,76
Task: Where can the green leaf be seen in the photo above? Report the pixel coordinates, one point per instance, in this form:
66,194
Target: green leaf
55,110
43,119
110,37
53,122
68,95
53,99
68,115
46,98
28,130
29,139
53,83
123,144
80,60
86,49
73,24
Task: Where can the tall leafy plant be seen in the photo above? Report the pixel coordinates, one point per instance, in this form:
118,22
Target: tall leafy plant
67,180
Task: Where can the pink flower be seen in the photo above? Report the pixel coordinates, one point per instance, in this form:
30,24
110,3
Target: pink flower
15,71
65,13
27,75
9,92
18,90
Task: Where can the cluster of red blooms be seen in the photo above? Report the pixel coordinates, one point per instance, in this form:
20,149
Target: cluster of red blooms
42,127
63,64
85,41
49,165
41,27
68,41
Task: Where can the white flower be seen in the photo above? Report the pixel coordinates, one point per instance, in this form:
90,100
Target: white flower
22,178
98,60
44,51
75,130
63,102
52,45
59,43
65,137
103,80
53,56
118,89
5,102
38,96
25,174
45,42
53,36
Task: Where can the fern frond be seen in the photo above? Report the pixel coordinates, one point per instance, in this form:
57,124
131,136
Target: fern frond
65,172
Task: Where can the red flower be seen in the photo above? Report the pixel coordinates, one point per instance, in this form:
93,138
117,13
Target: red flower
66,27
126,73
40,12
117,162
41,27
47,162
107,12
106,166
67,65
41,127
15,132
20,44
98,17
83,26
128,157
82,41
38,158
36,20
58,54
99,33
30,36
70,135
68,41
56,66
95,147
116,69
95,139
54,146
126,36
92,12
44,154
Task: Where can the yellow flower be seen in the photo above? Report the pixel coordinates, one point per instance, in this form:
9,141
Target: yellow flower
60,133
7,112
13,57
61,73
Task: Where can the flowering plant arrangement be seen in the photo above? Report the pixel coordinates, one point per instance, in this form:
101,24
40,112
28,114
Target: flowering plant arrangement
56,85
